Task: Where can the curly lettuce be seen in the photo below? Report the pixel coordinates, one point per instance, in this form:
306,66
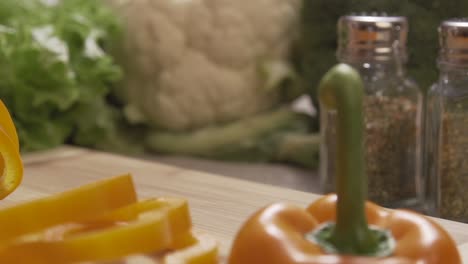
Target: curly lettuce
56,73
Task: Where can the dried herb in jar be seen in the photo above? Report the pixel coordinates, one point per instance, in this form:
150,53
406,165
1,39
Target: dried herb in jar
447,126
391,142
376,47
453,164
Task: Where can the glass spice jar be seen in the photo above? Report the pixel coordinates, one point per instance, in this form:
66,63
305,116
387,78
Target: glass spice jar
447,125
393,104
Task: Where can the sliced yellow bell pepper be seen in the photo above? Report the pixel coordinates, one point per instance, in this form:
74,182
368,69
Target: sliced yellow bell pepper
204,251
10,164
78,204
154,231
7,124
11,167
177,210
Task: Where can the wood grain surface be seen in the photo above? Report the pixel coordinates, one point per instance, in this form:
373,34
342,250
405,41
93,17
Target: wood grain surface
219,205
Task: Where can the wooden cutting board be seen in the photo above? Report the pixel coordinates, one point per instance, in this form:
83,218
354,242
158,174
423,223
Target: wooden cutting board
218,204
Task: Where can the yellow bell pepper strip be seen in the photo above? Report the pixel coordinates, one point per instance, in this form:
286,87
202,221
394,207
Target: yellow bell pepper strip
177,210
133,211
335,230
11,165
6,123
178,217
75,205
204,251
153,231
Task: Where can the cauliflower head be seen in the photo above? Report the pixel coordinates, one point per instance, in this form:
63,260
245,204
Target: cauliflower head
193,63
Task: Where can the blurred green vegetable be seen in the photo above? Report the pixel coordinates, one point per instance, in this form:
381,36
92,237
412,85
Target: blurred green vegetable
281,135
55,74
319,37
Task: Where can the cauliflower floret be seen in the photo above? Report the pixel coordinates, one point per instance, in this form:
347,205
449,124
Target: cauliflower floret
192,63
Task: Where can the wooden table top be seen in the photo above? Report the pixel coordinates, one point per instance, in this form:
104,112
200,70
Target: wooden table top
218,204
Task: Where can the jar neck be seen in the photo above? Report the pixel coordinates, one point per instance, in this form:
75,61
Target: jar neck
451,71
375,69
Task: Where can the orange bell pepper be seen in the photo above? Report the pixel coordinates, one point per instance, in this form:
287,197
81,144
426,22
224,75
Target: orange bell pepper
10,159
279,234
335,230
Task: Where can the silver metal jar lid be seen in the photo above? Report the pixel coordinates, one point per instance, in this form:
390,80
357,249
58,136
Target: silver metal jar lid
453,41
372,37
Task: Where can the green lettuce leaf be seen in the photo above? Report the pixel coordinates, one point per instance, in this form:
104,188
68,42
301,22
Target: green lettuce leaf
55,71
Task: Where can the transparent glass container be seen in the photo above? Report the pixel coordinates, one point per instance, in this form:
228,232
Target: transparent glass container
447,126
393,104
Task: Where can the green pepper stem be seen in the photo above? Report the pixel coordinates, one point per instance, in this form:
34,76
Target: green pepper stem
341,90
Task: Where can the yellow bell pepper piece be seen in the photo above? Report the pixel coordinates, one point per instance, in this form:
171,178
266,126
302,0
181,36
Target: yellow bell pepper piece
11,167
10,164
177,210
204,251
6,122
177,216
79,204
154,231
